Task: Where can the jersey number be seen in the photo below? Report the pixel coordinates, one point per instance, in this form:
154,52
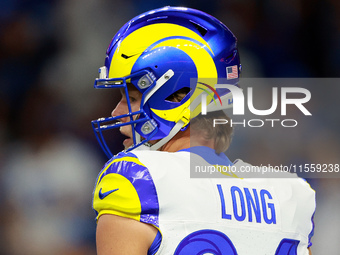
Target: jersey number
209,241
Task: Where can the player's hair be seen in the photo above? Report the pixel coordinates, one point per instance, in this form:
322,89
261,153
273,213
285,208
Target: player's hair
220,134
204,124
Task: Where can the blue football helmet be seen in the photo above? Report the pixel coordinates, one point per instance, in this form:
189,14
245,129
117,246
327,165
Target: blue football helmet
160,52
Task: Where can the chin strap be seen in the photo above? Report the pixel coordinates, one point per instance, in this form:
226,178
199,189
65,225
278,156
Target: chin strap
159,83
181,122
179,125
153,147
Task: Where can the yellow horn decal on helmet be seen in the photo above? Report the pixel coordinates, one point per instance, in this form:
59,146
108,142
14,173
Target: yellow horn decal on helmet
179,113
206,72
138,41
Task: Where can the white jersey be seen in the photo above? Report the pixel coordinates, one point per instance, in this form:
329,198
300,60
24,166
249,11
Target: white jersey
229,215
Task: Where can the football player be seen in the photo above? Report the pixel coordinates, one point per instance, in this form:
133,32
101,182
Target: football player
166,64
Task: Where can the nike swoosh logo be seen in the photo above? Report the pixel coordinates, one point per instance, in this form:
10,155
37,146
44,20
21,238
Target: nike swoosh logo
126,56
105,194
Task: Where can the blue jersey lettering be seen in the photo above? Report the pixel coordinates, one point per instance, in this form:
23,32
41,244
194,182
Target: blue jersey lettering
240,197
271,207
249,204
253,204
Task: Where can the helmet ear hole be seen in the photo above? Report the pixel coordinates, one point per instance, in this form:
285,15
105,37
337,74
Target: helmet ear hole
178,95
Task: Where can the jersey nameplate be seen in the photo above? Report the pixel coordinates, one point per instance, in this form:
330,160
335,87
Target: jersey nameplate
247,204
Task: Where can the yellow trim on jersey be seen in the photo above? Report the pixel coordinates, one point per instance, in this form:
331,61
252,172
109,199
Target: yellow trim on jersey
226,173
123,200
128,159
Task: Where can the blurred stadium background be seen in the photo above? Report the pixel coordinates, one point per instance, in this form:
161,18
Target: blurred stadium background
50,52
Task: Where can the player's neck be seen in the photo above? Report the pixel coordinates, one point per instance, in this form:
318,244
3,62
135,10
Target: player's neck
179,142
183,140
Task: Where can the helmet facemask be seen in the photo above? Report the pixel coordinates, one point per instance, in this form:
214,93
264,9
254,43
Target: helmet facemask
143,127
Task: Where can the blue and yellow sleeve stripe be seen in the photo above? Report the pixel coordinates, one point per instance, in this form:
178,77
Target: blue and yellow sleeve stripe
125,188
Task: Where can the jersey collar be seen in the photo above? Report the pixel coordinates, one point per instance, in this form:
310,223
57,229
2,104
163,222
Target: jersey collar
209,155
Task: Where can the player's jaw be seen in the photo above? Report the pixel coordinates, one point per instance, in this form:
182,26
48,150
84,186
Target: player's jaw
127,131
133,98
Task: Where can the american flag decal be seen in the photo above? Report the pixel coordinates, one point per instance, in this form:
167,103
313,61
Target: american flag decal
232,72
